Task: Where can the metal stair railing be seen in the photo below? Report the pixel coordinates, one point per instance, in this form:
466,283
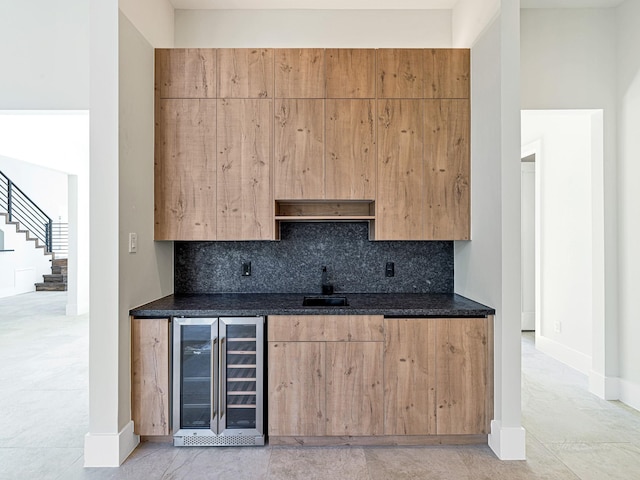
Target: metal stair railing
22,210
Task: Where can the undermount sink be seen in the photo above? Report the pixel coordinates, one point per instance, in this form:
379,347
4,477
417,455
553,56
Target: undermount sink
325,302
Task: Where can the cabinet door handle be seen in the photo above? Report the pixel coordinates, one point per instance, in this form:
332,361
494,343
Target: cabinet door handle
223,376
214,384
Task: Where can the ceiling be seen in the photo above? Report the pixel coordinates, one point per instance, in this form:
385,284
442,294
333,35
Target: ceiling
370,4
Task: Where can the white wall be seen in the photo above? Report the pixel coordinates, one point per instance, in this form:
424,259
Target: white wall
470,18
44,55
564,165
313,28
628,90
154,19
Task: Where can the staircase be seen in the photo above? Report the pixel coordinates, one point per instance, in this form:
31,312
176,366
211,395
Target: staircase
57,280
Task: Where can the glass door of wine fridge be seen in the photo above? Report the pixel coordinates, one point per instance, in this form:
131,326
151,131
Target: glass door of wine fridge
218,381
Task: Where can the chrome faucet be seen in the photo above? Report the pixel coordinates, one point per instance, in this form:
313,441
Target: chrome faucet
327,288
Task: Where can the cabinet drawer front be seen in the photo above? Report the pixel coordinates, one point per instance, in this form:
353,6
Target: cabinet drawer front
326,328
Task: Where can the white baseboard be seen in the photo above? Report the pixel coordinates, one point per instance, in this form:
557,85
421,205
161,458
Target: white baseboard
564,354
109,450
607,388
629,393
508,443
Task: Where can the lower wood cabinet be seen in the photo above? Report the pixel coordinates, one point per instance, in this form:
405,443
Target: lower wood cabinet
150,367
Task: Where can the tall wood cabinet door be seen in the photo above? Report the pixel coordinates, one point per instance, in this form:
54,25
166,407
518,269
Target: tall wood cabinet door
245,72
244,206
409,377
185,170
400,73
351,73
297,388
150,391
447,170
186,73
299,149
299,73
464,388
354,388
400,170
447,72
350,155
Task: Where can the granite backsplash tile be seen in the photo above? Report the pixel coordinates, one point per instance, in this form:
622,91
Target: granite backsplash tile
294,264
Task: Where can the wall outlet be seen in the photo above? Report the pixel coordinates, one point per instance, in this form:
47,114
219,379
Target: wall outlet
557,326
246,269
133,242
390,269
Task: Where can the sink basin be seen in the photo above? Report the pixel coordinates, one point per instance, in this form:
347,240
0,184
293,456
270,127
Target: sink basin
325,302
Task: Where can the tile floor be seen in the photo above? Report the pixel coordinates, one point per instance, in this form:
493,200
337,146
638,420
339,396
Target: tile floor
43,418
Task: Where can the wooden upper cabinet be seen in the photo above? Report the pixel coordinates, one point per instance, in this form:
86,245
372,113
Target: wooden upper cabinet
400,73
351,73
299,149
186,73
350,152
244,200
185,170
447,170
447,73
399,210
464,392
299,73
245,72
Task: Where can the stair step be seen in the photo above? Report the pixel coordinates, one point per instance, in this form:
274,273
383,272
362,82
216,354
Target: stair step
59,270
51,287
54,278
59,262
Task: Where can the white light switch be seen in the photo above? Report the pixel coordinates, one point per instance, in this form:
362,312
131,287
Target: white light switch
133,242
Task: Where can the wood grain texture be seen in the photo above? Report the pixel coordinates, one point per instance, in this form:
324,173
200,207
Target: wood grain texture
150,388
447,73
399,199
185,170
350,152
351,73
296,388
462,367
447,170
400,73
329,328
186,73
244,198
409,377
299,73
245,72
382,440
299,149
354,388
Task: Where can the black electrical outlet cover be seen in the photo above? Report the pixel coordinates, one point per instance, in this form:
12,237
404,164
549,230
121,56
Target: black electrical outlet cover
389,270
246,269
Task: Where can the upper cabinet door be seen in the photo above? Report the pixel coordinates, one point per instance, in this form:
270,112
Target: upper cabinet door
351,73
447,170
299,149
447,73
245,72
245,206
186,73
400,170
400,73
299,73
185,170
350,155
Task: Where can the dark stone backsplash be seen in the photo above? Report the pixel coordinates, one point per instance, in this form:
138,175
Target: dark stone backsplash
294,264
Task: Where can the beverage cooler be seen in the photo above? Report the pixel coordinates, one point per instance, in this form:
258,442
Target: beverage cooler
218,381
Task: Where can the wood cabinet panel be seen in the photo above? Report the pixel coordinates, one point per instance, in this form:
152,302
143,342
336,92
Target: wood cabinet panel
351,73
150,388
399,198
409,377
297,390
330,328
299,73
244,200
299,149
447,73
463,393
186,73
350,152
400,73
245,72
447,170
185,170
354,388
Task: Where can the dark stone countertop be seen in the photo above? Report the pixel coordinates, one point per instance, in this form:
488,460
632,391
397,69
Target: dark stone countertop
254,304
